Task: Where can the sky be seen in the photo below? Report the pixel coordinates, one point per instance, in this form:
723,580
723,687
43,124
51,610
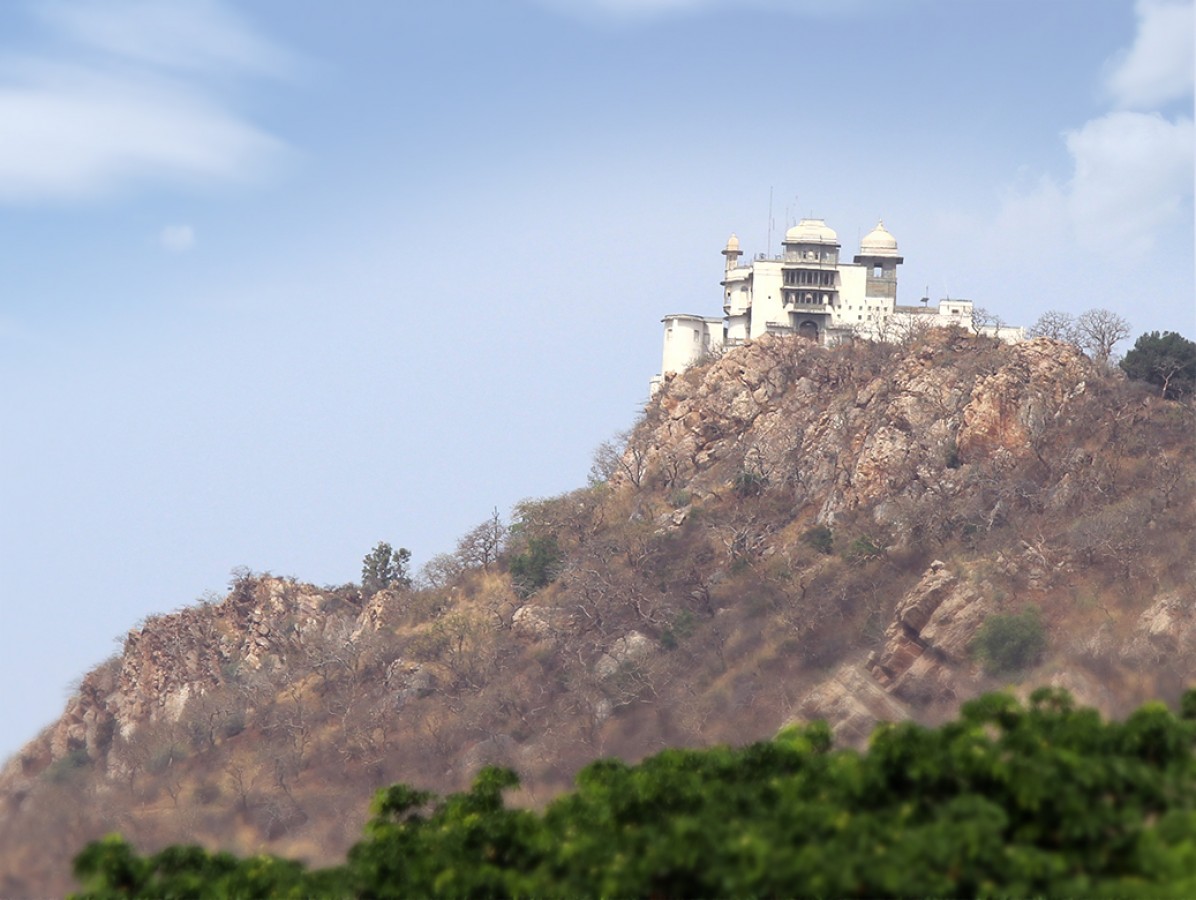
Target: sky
282,279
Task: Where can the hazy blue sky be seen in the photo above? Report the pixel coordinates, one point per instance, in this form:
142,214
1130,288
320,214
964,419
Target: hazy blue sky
283,278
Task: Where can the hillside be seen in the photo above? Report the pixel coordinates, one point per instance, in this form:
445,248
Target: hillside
789,533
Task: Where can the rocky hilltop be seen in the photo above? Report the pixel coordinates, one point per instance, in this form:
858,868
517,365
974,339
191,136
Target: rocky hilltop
909,429
790,532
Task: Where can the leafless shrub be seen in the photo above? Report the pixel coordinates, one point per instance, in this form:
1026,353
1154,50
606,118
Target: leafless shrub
1099,331
482,545
441,571
1059,326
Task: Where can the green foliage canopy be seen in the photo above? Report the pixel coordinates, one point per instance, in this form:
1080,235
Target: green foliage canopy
1009,799
384,567
1007,643
1166,360
749,483
538,565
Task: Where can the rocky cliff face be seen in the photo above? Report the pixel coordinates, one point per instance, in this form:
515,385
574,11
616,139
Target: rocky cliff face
792,532
904,426
171,659
924,662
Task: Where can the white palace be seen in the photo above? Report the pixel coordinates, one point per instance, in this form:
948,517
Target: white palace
808,291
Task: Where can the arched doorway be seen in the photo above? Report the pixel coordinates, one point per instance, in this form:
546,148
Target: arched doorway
808,330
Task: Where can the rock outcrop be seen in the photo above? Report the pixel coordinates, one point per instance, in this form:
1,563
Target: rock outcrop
931,634
852,703
924,659
764,409
170,659
633,647
1166,631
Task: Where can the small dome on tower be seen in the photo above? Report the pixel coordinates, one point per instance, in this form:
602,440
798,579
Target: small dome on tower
811,231
732,244
878,242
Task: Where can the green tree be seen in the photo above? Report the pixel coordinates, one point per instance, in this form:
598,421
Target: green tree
1166,360
1007,643
110,868
538,565
1042,799
384,568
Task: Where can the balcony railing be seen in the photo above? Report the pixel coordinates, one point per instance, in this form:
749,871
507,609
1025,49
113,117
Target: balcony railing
804,306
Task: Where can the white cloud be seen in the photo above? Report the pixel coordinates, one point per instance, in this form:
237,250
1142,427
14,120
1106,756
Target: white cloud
1133,175
177,238
130,101
1132,168
180,34
80,133
1158,68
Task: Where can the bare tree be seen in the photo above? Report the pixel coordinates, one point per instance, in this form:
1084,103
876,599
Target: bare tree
1112,534
1166,370
241,780
441,570
481,545
1058,325
620,457
983,319
671,466
906,329
605,462
1099,331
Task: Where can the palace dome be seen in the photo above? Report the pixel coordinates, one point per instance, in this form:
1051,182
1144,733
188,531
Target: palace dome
811,231
878,242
